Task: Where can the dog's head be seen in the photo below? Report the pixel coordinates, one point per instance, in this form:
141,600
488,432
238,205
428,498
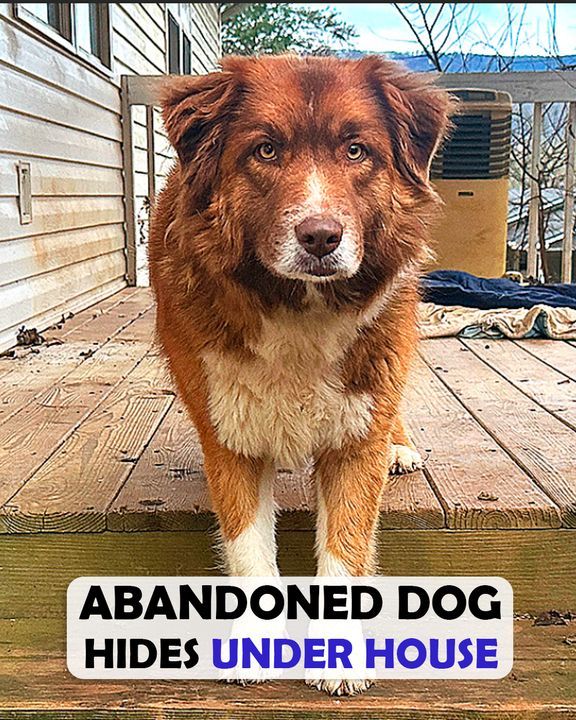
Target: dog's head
316,167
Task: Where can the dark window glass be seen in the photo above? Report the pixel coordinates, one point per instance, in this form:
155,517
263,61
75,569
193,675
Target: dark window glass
186,55
173,46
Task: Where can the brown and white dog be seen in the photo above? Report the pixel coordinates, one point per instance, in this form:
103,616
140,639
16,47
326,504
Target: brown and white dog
284,254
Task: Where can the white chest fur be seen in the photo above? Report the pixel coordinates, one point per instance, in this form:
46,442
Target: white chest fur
288,400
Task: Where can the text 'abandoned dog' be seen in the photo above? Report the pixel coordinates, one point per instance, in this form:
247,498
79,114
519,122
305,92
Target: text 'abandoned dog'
285,253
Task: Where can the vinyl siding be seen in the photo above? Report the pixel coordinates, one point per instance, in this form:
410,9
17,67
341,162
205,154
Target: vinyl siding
200,22
63,116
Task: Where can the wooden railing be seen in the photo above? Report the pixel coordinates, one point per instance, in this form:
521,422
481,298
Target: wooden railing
534,88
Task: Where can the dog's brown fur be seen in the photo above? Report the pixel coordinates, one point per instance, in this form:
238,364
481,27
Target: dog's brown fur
217,236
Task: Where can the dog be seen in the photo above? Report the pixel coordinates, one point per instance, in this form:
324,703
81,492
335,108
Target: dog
284,255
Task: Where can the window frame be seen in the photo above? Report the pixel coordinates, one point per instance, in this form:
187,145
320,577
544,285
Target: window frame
184,40
68,23
172,19
104,35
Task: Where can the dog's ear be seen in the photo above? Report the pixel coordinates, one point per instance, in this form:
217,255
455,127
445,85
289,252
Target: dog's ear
196,110
417,115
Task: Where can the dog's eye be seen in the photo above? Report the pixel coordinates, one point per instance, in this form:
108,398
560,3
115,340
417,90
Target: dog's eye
356,152
266,151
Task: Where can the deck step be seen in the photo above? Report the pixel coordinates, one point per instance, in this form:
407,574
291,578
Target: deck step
35,685
36,568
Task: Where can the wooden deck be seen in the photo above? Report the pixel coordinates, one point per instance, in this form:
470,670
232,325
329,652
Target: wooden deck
101,474
92,437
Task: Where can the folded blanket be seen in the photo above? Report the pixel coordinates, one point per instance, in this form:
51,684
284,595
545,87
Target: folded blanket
557,323
452,287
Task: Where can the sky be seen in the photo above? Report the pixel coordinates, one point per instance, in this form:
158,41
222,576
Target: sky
382,29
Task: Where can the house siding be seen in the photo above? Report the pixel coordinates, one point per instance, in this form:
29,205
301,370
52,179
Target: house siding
64,117
200,22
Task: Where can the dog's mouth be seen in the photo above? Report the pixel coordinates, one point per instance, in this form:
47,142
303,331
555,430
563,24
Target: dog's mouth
296,262
321,270
318,271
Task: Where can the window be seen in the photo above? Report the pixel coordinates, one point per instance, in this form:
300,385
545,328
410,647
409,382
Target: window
55,15
174,65
91,26
179,49
186,55
84,27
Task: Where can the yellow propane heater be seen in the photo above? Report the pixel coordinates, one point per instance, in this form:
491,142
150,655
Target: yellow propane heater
471,175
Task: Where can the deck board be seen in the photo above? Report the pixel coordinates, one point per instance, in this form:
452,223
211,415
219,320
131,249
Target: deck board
537,440
542,685
507,462
84,321
37,567
167,489
83,335
538,690
478,483
74,487
36,431
538,380
560,356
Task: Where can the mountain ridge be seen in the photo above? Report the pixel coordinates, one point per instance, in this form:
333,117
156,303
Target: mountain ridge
478,62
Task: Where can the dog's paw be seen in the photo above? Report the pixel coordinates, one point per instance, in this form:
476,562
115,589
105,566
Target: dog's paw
340,687
256,676
243,682
404,459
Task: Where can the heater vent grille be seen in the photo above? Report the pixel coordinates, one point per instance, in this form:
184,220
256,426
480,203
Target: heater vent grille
479,147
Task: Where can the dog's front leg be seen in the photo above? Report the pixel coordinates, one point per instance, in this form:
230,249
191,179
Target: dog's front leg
242,494
349,485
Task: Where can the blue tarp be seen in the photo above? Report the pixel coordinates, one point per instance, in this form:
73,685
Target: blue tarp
452,287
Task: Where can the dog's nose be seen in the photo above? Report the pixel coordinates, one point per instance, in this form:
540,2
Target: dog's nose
319,235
